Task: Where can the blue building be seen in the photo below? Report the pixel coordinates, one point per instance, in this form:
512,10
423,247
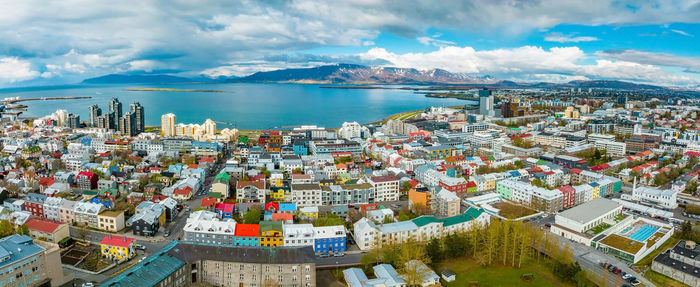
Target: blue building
329,239
301,147
20,261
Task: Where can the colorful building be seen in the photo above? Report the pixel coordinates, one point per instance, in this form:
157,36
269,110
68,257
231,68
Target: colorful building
271,234
247,235
329,239
117,248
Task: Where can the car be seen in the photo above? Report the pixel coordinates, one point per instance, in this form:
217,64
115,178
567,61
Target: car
635,282
339,254
548,224
617,271
611,268
139,246
167,233
624,274
626,285
631,279
88,284
324,255
187,209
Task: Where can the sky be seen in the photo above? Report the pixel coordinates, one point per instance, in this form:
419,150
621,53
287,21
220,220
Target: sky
63,42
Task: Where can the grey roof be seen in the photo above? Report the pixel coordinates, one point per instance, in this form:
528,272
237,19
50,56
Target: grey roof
190,251
149,272
665,259
306,186
590,210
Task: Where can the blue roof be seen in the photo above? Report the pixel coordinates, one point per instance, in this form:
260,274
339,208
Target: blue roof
288,206
514,173
593,184
17,247
150,271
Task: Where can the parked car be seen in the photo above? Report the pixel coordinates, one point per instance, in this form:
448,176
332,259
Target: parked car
617,271
167,233
339,254
631,279
611,268
548,225
635,282
324,255
139,246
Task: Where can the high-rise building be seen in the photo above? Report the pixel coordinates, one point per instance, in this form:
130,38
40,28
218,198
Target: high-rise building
115,107
512,108
95,112
209,127
106,121
485,102
73,121
167,125
139,118
127,124
621,99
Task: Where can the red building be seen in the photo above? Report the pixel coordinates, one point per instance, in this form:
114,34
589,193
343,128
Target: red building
568,196
457,185
87,180
34,203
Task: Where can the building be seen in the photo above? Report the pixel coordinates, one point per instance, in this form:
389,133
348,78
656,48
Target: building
613,148
662,198
111,220
250,191
34,203
447,203
25,262
210,231
167,125
117,248
247,235
386,276
329,239
95,113
47,230
87,180
428,276
298,234
186,263
386,188
271,234
220,184
680,263
139,119
573,223
485,102
306,194
86,213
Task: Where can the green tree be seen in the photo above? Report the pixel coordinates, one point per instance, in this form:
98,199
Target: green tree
22,230
252,216
329,219
6,228
434,250
298,170
405,186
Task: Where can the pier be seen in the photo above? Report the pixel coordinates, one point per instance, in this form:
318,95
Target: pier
17,100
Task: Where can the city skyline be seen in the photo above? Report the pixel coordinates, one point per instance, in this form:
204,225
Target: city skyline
652,42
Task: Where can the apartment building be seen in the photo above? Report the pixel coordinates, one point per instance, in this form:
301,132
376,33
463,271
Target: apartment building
386,188
26,262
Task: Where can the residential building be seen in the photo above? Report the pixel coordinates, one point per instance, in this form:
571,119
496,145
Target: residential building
447,203
298,234
271,234
47,230
663,198
386,188
167,125
681,262
117,248
250,191
329,239
111,220
86,213
247,235
308,194
27,262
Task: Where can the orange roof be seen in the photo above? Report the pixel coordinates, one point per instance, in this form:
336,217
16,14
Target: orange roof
42,225
183,191
282,217
208,201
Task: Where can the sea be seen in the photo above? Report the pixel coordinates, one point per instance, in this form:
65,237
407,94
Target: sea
240,105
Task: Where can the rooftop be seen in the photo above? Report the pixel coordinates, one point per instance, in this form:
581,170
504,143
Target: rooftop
590,210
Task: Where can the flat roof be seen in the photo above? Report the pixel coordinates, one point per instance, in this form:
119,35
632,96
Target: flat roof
590,210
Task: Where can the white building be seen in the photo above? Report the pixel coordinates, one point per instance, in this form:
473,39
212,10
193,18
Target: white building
662,198
298,234
613,148
573,223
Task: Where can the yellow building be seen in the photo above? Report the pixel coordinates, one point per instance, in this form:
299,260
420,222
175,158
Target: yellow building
271,234
117,248
278,194
310,212
596,192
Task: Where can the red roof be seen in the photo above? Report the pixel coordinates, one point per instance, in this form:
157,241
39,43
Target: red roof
208,201
42,225
247,230
183,191
471,184
692,153
117,241
192,165
368,207
282,216
207,159
88,174
46,181
566,189
225,207
158,197
383,178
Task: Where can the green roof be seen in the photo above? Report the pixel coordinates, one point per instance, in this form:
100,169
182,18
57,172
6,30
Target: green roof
89,192
270,225
112,191
222,178
150,271
215,195
425,220
469,215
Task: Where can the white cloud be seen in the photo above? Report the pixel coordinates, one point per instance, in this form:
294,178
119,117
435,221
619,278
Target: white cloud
15,70
652,58
681,32
530,63
431,41
560,38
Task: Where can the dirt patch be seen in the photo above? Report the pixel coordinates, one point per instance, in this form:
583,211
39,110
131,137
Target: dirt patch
325,278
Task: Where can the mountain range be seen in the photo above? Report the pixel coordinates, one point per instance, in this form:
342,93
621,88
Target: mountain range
359,74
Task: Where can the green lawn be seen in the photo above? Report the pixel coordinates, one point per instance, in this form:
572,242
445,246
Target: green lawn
600,228
661,280
468,271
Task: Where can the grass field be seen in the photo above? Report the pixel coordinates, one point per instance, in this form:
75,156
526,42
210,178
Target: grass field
468,271
661,280
512,211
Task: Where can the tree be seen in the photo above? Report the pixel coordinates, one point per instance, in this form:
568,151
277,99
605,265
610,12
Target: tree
253,215
6,228
22,230
354,215
388,219
421,209
434,250
367,260
519,164
298,170
410,254
405,186
329,219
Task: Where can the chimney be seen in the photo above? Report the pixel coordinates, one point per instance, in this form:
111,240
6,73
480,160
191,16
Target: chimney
124,238
110,236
